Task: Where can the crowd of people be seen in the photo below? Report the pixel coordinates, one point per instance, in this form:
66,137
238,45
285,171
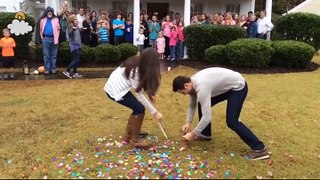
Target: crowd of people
91,28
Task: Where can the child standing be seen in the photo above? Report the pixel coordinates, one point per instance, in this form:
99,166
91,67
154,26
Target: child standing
161,44
173,43
140,40
180,40
7,44
154,28
75,45
103,33
129,31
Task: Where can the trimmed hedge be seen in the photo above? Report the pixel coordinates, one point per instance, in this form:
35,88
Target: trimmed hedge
127,50
200,37
249,52
216,54
101,54
22,49
106,53
292,54
303,27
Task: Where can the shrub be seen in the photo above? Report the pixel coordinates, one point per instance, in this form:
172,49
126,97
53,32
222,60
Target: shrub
198,38
249,52
87,54
106,53
292,54
216,54
127,50
38,53
22,41
64,56
303,27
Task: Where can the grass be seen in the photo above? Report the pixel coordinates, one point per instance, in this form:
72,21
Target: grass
57,118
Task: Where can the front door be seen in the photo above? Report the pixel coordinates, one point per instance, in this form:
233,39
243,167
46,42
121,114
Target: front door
160,9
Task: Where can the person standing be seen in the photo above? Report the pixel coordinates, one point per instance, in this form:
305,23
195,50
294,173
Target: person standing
7,44
264,26
49,34
86,30
129,31
118,27
166,28
209,87
63,19
140,40
75,45
141,74
154,29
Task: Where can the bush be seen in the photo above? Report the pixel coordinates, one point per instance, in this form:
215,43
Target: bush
254,53
38,53
292,54
216,54
127,50
64,56
200,37
87,54
107,53
303,27
22,41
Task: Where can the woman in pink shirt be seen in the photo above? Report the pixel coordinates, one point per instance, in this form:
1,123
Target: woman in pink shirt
173,42
180,48
166,28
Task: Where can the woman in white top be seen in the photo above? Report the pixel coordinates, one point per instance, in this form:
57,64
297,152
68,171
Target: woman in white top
142,74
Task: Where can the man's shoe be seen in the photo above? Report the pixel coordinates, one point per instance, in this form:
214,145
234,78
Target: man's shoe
11,76
46,73
5,76
54,71
66,73
259,154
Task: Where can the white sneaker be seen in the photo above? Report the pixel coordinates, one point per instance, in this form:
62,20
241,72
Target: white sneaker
66,73
77,75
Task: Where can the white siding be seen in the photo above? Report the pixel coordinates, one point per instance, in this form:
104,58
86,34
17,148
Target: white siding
309,6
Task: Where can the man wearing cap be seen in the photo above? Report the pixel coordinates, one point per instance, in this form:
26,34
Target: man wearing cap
209,87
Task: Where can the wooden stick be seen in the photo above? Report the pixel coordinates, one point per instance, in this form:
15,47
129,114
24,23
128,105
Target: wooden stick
160,126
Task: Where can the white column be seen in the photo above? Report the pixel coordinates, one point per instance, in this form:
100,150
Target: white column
187,13
47,3
253,4
136,20
186,16
269,13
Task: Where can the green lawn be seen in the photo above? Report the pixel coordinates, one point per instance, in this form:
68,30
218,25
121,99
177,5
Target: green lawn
44,123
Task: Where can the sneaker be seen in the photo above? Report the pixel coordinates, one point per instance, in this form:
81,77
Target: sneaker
11,76
200,138
46,73
5,76
66,73
259,154
77,75
0,77
54,71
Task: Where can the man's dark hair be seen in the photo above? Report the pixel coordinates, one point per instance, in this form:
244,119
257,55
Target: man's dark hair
250,12
179,81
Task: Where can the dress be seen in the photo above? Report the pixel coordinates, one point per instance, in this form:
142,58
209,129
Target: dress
161,42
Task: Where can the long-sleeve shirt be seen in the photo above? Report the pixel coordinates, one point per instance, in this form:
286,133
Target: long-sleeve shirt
118,86
264,25
209,83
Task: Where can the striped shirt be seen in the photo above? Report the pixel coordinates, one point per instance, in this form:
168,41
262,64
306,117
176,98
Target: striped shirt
118,86
104,34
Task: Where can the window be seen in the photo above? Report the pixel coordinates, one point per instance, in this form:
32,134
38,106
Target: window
77,4
233,8
260,5
120,6
196,9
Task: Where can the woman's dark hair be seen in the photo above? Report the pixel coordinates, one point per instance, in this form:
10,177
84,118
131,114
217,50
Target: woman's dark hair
149,70
178,83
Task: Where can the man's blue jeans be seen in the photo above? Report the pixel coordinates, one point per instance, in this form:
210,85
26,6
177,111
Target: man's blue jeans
235,101
50,51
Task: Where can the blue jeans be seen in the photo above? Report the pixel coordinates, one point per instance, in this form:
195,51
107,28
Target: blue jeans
50,51
235,101
75,61
180,50
130,101
173,52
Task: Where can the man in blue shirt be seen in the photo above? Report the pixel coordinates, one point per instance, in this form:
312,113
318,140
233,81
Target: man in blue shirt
118,27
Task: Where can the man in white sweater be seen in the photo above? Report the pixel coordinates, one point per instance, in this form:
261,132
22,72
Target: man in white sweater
264,26
209,87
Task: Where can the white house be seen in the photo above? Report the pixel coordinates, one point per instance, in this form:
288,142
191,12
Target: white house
308,6
34,8
10,5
